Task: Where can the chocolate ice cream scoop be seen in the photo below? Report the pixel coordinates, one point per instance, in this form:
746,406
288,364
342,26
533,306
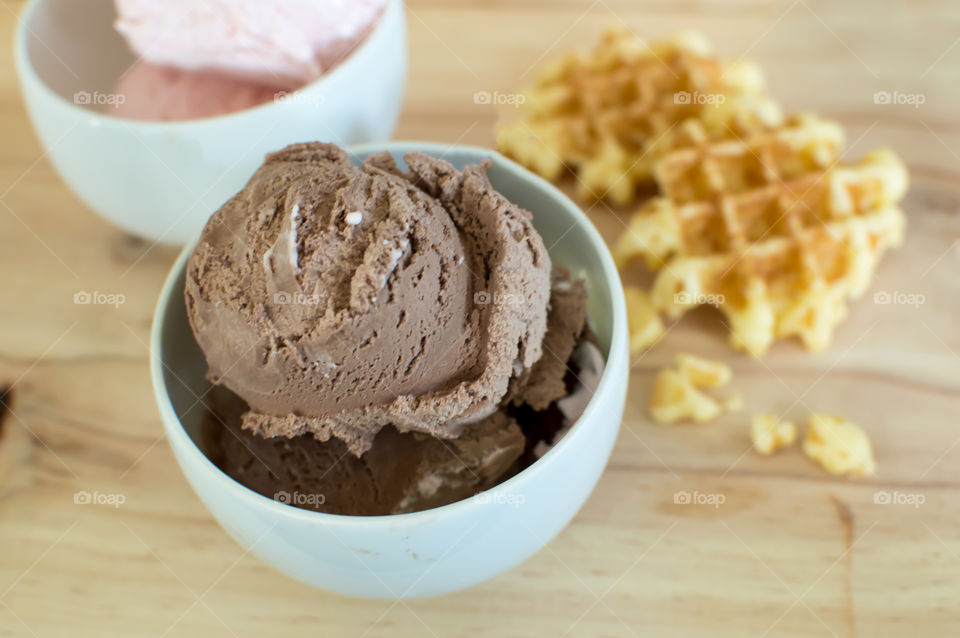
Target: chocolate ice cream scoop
411,471
337,299
400,473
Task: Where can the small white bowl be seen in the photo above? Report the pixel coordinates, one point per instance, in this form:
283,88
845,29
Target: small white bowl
162,180
443,549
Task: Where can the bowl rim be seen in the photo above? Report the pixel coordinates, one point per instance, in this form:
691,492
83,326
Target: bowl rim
28,74
617,356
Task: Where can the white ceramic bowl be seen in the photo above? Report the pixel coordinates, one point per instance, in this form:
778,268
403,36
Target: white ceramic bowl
438,550
162,180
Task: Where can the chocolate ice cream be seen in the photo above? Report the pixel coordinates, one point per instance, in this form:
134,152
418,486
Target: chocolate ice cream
407,472
399,339
337,300
402,472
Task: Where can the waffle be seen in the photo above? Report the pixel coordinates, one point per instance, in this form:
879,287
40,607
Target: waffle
700,170
840,446
770,230
768,433
608,114
678,395
643,320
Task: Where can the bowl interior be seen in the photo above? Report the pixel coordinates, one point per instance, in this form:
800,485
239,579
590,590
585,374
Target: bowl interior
570,239
72,46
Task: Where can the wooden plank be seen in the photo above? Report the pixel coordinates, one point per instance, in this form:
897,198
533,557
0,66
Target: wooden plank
791,552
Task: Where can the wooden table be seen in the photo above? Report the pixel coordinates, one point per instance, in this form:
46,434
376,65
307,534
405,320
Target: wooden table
792,551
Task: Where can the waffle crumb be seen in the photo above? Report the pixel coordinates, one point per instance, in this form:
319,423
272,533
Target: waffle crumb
645,324
840,446
704,373
733,403
678,394
769,434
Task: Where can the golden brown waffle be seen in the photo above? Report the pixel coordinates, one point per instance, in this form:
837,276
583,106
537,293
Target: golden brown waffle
700,170
769,433
644,322
608,114
839,445
678,395
770,230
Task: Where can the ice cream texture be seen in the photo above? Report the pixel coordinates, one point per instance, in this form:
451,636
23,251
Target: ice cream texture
409,472
164,94
337,300
286,44
400,473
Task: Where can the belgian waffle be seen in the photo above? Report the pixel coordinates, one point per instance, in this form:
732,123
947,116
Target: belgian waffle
609,114
770,229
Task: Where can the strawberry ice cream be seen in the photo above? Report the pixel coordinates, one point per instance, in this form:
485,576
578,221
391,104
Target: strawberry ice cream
160,93
284,44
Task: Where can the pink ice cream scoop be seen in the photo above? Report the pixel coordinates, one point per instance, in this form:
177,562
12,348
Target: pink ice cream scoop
283,43
150,92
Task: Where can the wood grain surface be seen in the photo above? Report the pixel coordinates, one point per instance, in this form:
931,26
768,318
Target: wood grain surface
792,551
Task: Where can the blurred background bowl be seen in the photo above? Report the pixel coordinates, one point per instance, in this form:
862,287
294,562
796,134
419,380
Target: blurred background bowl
443,549
162,180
